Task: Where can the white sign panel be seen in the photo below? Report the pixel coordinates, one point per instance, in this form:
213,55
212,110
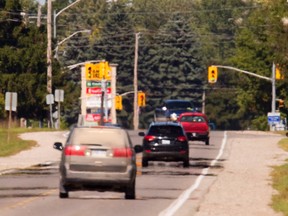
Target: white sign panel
59,95
95,101
50,99
11,101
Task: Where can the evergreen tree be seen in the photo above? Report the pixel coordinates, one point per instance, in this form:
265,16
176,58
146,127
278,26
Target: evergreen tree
171,67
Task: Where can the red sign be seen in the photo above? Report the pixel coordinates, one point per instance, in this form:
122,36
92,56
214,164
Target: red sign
97,90
93,117
96,118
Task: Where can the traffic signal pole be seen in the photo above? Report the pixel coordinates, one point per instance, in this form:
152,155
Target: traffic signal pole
272,80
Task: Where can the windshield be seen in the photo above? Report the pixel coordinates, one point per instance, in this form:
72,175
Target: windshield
179,105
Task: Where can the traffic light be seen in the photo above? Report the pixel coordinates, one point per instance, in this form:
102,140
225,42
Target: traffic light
118,102
278,74
212,74
281,103
141,99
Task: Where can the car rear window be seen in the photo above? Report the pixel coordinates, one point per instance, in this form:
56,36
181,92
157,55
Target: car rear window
192,119
165,131
98,136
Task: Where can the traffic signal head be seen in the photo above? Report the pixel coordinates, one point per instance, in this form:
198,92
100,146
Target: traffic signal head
281,103
212,74
118,102
141,99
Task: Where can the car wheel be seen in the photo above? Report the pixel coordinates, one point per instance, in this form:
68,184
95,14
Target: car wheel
130,191
63,192
207,142
186,163
144,162
63,195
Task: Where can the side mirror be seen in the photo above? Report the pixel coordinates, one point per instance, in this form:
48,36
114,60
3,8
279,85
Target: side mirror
58,146
141,134
138,148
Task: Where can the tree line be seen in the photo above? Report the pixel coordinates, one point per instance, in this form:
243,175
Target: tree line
178,41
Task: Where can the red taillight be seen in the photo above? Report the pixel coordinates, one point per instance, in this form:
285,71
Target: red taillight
181,138
75,150
122,152
183,152
149,138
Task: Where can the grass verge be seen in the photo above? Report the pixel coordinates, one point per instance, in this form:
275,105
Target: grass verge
11,144
280,183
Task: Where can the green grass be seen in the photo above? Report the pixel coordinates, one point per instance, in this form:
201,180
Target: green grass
11,144
280,183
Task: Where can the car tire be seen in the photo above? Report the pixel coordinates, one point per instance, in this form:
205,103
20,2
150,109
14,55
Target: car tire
63,195
207,142
130,191
144,162
63,192
186,163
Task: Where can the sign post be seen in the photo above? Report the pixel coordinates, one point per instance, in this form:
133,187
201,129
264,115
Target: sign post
50,101
59,97
10,104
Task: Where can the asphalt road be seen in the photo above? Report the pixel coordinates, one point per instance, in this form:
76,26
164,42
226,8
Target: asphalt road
161,189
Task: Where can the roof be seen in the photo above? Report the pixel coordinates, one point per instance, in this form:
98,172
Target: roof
171,123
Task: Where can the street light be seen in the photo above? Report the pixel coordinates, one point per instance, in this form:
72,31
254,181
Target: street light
67,38
57,14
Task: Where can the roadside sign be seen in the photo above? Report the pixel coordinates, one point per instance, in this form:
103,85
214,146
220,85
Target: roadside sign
11,101
92,83
59,95
97,90
50,99
273,118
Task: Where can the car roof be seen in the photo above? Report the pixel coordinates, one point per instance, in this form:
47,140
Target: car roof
176,100
192,114
168,123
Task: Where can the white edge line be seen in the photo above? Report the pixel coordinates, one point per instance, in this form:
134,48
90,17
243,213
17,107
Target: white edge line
186,194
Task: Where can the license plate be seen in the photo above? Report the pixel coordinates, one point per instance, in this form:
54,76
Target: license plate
98,153
165,142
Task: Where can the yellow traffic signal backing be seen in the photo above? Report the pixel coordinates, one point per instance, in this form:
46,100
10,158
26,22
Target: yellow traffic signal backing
118,102
212,74
141,99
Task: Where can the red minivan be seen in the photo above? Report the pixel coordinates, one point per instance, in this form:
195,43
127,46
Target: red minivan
196,126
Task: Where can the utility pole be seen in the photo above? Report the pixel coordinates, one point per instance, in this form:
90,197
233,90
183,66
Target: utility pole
49,51
39,15
136,116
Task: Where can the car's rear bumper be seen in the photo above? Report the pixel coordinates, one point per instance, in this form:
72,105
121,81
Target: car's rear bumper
197,135
100,181
166,156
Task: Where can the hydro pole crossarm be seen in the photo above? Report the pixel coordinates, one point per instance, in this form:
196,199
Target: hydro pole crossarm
243,71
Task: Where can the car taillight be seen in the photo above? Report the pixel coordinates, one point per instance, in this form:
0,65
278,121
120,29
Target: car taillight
149,138
75,150
122,152
181,138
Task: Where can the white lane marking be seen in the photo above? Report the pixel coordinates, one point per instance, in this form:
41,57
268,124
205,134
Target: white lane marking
186,194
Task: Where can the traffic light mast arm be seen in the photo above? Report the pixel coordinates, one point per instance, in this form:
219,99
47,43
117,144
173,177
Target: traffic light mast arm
272,80
243,71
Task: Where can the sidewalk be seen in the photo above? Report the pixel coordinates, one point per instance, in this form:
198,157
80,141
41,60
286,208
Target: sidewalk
244,186
43,153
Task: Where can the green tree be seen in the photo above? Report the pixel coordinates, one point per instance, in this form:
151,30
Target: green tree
171,66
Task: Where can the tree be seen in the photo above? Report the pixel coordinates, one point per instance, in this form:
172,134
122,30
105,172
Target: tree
171,66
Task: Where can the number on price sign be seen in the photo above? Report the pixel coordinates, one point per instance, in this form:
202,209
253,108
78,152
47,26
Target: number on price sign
92,72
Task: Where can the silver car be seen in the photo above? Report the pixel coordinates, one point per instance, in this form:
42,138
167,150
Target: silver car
98,158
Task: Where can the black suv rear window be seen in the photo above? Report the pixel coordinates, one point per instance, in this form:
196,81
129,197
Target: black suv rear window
165,130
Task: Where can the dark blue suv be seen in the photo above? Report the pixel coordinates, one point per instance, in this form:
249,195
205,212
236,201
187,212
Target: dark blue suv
172,106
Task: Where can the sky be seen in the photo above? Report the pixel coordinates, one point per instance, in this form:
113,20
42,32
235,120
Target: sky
42,2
